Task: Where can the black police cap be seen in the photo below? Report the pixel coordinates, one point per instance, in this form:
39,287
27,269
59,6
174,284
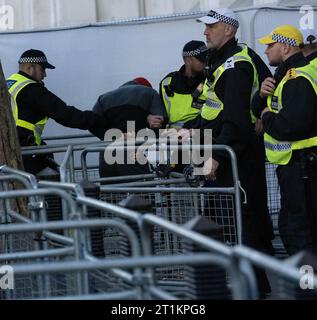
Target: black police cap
35,56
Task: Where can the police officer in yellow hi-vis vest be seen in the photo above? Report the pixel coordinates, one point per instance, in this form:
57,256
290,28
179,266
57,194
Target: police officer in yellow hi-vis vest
231,83
33,105
181,90
309,47
290,122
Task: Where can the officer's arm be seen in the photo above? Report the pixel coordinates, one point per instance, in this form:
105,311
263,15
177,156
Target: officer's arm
45,102
297,117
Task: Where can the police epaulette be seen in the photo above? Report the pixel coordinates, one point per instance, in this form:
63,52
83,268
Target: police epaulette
291,74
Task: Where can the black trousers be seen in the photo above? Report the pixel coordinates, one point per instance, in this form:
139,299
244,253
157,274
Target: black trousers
257,229
298,215
36,163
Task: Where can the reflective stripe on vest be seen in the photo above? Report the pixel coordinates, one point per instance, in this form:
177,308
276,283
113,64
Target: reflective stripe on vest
178,107
213,105
16,83
280,152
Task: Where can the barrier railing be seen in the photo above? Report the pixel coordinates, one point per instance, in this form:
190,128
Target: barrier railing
237,261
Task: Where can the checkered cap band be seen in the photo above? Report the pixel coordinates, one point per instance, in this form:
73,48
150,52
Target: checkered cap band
33,60
281,39
194,53
225,19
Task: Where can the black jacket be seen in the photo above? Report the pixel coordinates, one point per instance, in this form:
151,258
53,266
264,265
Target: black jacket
36,102
298,118
130,102
233,126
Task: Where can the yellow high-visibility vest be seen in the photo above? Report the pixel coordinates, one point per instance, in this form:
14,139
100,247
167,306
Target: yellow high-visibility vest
180,108
213,105
280,152
16,83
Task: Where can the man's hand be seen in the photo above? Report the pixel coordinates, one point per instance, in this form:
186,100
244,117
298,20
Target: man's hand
267,87
259,127
210,168
154,121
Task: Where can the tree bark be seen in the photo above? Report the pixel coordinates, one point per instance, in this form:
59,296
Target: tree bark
10,150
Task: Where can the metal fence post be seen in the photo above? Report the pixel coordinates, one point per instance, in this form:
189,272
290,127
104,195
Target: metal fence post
95,238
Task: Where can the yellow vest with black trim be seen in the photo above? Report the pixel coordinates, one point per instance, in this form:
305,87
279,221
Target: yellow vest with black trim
16,83
280,152
179,107
213,105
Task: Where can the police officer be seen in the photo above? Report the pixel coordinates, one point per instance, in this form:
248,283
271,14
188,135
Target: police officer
309,47
232,81
34,104
181,90
290,123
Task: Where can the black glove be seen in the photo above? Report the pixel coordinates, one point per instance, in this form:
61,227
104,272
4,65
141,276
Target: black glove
162,170
191,179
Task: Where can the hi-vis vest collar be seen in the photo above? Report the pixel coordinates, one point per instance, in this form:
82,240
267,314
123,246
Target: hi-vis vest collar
180,108
213,105
280,152
16,83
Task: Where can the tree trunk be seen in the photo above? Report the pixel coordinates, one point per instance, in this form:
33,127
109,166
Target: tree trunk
10,151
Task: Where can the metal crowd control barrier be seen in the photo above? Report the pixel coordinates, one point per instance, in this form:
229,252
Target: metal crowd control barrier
16,247
68,171
167,207
78,284
172,186
237,260
67,272
29,246
173,200
81,287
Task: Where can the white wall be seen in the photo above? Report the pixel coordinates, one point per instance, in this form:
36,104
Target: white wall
210,4
23,13
74,12
156,8
108,10
185,5
37,14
